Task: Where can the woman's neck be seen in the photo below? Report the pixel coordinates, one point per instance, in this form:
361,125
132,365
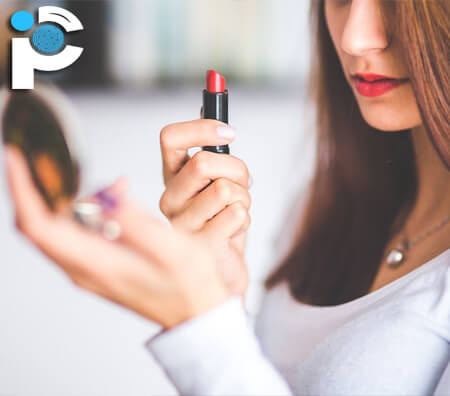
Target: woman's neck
431,207
433,194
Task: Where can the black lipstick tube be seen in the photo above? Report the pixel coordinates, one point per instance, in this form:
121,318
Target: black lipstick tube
215,107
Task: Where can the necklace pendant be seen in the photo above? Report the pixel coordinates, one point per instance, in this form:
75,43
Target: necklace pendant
395,258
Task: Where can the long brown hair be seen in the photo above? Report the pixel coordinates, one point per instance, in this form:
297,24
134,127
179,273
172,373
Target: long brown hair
365,181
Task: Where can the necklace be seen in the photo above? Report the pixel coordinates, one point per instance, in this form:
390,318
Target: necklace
397,255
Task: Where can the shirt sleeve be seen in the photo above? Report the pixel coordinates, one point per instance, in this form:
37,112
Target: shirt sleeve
217,353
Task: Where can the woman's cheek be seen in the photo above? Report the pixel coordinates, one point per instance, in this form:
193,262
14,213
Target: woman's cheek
335,20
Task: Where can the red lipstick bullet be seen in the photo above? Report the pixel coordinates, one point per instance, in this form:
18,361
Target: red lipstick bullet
215,105
214,82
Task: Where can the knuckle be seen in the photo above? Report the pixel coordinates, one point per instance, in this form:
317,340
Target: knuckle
247,199
199,162
165,136
243,171
163,204
166,206
245,224
27,227
222,189
83,276
238,211
248,220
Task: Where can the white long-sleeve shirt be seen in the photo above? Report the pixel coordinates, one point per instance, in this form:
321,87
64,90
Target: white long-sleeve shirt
393,341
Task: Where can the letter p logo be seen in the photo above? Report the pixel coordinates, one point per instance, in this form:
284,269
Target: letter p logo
44,53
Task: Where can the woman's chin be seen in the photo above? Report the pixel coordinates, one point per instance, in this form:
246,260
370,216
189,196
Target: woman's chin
388,121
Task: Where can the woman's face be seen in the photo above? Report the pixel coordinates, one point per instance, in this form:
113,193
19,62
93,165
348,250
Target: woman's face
365,49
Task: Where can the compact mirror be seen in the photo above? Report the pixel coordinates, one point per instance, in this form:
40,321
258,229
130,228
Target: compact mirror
31,123
43,125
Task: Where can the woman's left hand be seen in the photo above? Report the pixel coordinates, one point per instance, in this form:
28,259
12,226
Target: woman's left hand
164,274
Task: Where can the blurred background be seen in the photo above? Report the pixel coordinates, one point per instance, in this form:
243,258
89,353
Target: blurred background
143,67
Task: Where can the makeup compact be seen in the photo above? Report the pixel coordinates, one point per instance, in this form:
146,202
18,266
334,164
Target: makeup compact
43,125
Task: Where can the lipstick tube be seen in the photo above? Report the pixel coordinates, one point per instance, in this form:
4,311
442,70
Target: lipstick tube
215,105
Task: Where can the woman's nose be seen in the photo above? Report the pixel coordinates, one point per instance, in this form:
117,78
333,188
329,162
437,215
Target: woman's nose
364,30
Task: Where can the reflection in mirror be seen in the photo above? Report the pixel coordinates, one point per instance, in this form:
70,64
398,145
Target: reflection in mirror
30,123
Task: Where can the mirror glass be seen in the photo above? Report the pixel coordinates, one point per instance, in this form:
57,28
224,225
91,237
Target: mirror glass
30,122
43,125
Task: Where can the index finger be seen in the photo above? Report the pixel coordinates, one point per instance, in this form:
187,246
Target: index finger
177,138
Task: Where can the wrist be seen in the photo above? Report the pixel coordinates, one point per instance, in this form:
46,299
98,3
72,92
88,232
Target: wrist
200,303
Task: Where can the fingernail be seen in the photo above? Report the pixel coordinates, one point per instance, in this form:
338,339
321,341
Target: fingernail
226,131
106,199
250,181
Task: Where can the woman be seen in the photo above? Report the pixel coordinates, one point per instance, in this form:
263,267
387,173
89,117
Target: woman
346,313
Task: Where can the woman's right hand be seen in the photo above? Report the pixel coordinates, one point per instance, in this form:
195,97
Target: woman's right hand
216,211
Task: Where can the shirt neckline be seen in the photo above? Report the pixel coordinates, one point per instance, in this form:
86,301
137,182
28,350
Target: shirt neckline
386,288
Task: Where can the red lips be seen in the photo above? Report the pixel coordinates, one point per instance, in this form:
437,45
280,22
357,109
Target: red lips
372,76
371,85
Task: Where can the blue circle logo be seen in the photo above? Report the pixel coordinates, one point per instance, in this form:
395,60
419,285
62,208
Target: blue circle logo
48,39
22,21
44,46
